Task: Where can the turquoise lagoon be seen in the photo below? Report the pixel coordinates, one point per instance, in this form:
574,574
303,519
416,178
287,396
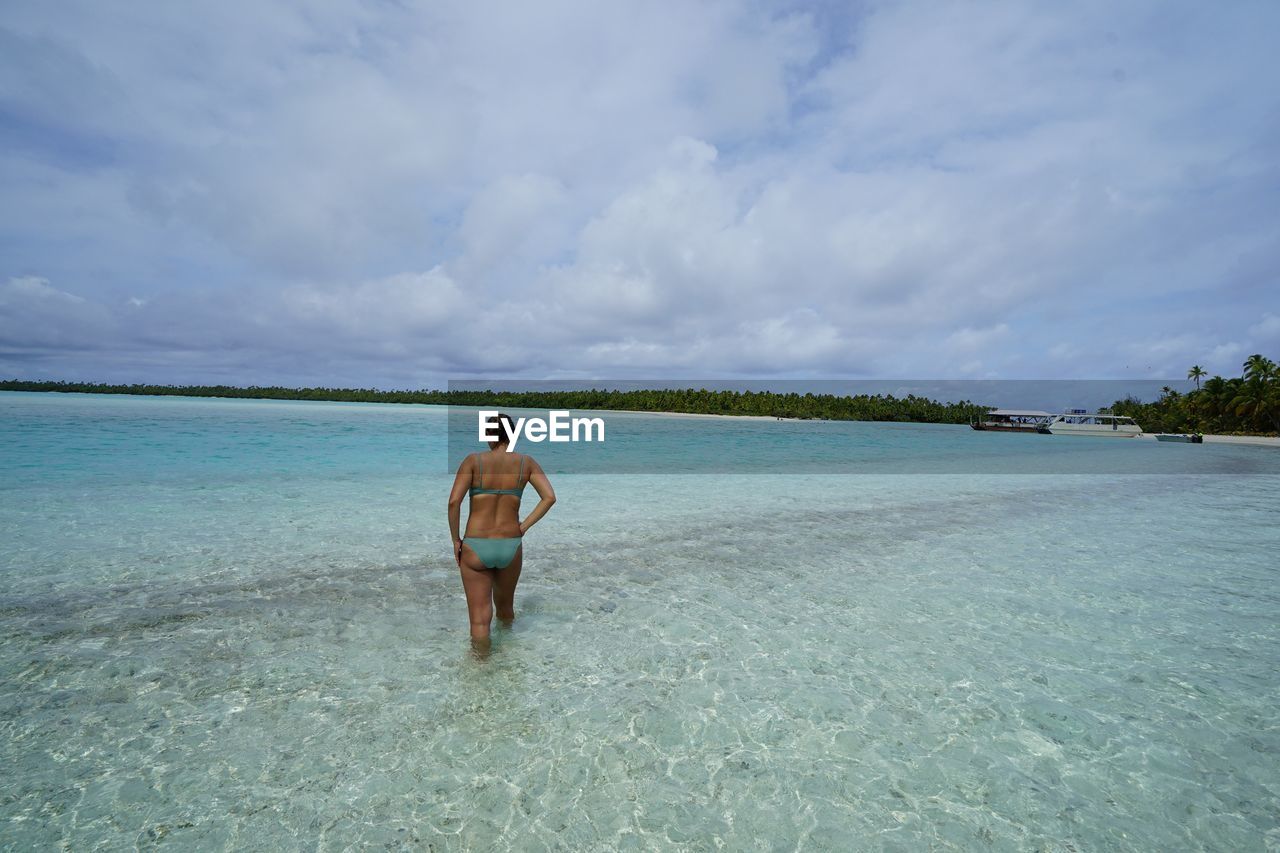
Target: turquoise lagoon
234,623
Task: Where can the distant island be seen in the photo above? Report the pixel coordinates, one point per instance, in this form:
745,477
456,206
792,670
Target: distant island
699,401
1244,405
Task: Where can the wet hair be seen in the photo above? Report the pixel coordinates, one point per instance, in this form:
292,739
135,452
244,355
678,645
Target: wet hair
506,427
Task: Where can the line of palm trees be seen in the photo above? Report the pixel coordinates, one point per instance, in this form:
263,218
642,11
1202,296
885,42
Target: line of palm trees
863,407
1247,403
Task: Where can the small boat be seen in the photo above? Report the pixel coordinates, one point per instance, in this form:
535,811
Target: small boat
1185,437
1080,422
1010,420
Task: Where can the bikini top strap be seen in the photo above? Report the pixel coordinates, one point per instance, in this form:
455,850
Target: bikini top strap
480,463
520,473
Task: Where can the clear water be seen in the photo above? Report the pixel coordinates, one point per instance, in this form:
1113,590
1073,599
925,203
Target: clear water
237,623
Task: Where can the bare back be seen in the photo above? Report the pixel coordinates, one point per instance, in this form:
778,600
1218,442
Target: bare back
496,516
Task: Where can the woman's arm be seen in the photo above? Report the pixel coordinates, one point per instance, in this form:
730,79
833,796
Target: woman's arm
542,486
456,494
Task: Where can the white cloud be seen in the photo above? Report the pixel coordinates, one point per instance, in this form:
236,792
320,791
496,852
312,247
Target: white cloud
1267,329
36,315
1225,359
31,290
969,340
931,189
401,306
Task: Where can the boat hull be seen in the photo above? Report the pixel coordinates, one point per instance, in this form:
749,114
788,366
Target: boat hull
1185,439
1004,428
1090,430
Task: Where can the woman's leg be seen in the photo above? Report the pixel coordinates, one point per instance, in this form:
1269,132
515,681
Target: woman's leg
504,588
477,582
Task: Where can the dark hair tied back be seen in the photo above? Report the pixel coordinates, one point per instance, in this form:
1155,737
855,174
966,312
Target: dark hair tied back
507,427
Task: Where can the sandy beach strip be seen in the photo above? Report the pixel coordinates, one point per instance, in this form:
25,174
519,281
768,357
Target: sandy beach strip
1255,440
1259,440
689,415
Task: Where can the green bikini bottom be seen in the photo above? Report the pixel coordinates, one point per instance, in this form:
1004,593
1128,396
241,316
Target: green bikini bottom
494,553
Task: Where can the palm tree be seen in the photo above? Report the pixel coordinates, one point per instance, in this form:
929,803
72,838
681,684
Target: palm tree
1258,394
1258,367
1195,373
1260,401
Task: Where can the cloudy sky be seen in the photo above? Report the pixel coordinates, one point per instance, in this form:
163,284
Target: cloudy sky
394,194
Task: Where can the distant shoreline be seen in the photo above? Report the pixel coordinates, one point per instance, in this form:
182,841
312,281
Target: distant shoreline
699,402
1256,440
380,403
434,398
709,415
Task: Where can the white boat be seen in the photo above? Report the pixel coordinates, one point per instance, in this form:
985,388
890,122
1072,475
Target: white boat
1079,422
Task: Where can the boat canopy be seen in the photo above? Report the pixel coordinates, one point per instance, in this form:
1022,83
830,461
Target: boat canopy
1018,413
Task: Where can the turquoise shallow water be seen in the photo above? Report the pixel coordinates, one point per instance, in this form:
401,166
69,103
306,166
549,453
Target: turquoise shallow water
236,623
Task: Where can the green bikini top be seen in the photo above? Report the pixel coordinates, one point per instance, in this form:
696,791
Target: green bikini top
518,491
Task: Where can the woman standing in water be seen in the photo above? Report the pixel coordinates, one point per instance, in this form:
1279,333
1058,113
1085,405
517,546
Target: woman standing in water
491,553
